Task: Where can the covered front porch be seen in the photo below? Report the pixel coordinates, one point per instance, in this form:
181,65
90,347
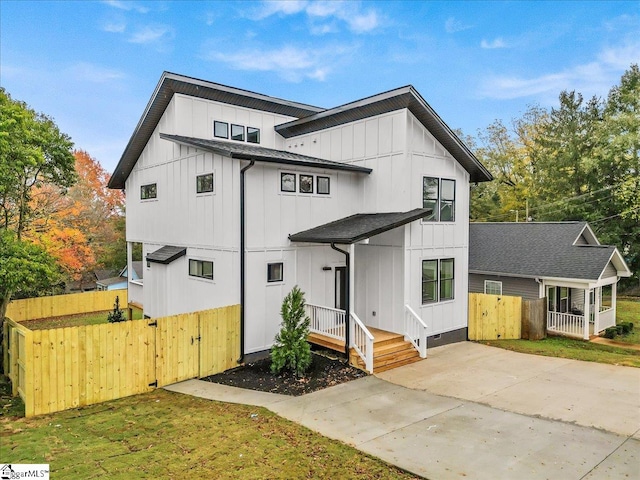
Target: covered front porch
370,244
581,312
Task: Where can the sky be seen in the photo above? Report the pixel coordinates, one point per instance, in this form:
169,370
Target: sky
93,66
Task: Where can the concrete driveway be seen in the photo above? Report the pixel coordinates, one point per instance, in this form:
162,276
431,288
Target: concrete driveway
446,427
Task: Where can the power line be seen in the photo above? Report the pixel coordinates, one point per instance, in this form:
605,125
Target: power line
614,216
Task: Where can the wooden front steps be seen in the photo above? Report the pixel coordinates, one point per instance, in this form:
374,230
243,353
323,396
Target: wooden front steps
390,350
326,342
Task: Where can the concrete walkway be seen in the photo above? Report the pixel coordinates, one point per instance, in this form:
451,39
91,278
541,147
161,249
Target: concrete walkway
429,431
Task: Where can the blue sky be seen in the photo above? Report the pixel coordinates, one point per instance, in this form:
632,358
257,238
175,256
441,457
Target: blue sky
92,66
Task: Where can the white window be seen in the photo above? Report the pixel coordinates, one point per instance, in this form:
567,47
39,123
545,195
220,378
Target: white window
491,287
201,268
275,272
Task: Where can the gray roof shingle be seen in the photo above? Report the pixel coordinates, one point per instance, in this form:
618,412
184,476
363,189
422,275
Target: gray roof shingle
358,227
535,249
166,254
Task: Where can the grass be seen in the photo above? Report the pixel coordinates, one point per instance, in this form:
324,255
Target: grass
627,311
93,318
168,435
9,406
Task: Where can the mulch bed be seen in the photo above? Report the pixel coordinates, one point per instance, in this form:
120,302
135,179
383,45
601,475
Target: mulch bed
326,370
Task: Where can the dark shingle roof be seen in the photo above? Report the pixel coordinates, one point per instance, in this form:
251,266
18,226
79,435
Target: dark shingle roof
111,281
242,151
166,254
104,273
358,227
535,250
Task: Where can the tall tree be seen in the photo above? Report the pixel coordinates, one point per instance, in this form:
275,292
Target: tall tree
32,151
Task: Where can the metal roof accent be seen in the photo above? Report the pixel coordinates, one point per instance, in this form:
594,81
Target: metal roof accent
243,151
167,254
404,97
542,250
171,83
358,227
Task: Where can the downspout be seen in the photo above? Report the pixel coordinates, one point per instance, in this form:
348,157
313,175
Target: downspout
242,259
347,299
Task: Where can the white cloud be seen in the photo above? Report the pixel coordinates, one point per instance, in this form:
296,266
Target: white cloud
127,5
291,63
94,73
593,78
151,34
496,43
114,27
452,25
349,12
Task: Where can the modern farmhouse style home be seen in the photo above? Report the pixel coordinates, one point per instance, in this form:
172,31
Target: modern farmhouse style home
236,197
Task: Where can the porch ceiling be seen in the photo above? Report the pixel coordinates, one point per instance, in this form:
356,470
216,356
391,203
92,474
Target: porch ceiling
358,227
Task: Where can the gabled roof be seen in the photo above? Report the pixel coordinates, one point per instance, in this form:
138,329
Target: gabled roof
405,97
167,254
358,227
243,151
539,250
107,282
171,83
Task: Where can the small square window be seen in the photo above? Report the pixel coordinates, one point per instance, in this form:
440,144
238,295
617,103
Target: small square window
275,272
306,183
148,191
288,182
221,129
237,133
253,135
204,183
323,185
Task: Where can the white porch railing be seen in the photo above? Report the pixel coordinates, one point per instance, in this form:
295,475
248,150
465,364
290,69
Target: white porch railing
415,330
361,341
606,319
326,321
566,323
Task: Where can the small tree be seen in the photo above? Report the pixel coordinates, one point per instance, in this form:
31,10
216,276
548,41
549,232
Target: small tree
291,350
117,315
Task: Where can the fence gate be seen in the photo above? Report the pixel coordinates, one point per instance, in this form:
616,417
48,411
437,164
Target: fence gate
494,317
177,348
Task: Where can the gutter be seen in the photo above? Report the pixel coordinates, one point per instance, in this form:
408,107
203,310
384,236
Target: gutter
347,299
242,258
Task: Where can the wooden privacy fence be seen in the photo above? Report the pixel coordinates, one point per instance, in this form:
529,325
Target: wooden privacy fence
63,368
60,305
503,317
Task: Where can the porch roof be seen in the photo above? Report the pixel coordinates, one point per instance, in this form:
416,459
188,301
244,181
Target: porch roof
166,254
358,227
262,154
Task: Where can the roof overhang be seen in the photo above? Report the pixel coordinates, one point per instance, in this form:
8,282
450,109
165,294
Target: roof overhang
167,254
171,83
358,227
261,154
619,263
405,97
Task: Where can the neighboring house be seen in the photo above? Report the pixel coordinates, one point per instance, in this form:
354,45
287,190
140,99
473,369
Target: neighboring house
237,197
562,261
120,281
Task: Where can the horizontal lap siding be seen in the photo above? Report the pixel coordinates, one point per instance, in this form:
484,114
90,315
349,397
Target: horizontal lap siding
526,288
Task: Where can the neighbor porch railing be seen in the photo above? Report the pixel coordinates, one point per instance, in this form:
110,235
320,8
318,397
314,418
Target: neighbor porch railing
606,319
361,341
415,330
326,321
566,323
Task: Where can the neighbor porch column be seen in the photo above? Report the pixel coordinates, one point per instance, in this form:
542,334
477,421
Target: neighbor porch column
597,294
614,287
585,321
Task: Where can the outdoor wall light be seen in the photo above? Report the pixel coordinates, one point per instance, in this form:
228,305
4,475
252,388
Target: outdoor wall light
326,268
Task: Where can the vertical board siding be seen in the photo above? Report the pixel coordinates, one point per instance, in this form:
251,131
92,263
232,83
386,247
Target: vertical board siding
58,369
494,316
61,305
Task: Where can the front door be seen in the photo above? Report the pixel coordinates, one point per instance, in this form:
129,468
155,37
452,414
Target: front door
341,288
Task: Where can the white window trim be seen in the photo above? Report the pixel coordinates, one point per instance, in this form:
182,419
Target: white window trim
492,281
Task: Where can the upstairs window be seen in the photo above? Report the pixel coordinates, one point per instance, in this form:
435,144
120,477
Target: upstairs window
204,183
220,129
306,183
148,191
439,195
323,185
253,135
237,133
288,182
438,279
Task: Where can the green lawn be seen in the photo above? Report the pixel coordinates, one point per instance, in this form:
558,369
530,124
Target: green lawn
627,311
168,435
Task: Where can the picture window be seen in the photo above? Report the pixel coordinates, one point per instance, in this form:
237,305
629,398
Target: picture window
220,129
306,183
288,182
237,133
253,135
